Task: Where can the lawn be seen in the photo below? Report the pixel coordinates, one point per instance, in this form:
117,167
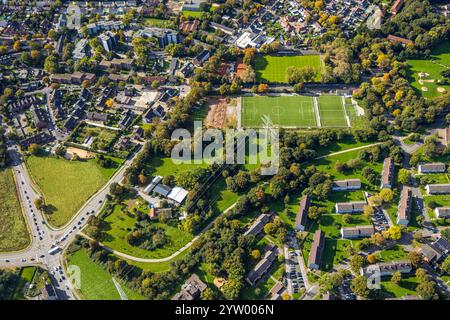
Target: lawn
102,137
285,111
394,253
14,233
165,166
119,225
273,68
432,67
67,185
406,286
331,224
335,251
328,165
332,113
95,282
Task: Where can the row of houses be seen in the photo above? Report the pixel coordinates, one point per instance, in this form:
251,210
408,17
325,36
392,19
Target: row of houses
357,232
437,167
263,265
73,78
405,206
350,184
443,188
386,269
387,174
258,225
436,251
317,247
350,207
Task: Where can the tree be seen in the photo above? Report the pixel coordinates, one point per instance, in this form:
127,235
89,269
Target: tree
445,267
263,87
368,211
34,149
347,218
208,294
396,277
256,254
395,232
110,103
375,201
16,45
427,290
371,258
39,203
60,151
314,213
386,195
404,176
415,258
357,262
359,286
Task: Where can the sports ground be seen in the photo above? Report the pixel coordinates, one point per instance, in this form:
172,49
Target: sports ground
294,111
273,68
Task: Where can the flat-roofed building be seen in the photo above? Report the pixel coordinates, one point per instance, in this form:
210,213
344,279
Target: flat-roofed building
437,167
357,232
404,208
438,188
301,219
315,255
387,173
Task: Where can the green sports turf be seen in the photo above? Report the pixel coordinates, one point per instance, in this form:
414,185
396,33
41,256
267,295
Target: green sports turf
284,111
273,68
331,111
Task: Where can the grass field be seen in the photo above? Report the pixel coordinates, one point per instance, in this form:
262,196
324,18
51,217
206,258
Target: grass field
66,185
13,228
95,282
331,111
438,62
295,111
406,286
285,111
273,68
119,225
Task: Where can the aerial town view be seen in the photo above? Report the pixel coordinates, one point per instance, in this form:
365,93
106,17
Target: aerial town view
225,150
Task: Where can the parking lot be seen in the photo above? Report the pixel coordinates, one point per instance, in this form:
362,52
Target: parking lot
294,280
380,222
345,290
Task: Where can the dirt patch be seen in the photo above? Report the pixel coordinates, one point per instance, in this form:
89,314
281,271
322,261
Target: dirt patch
424,89
221,114
441,90
83,154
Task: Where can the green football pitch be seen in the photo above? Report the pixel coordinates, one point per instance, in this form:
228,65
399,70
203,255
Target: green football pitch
331,110
273,68
294,111
284,111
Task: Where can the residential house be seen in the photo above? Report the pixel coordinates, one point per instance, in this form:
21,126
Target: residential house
191,289
301,219
262,266
201,58
315,255
186,71
437,167
127,119
350,184
350,207
81,49
404,207
97,116
164,36
189,26
438,188
357,232
387,174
